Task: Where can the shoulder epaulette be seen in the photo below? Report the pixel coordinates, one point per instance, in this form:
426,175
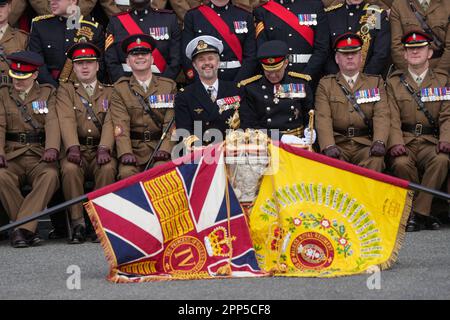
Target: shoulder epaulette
303,76
160,78
47,85
379,10
122,79
329,76
249,80
43,17
240,6
331,8
107,85
92,23
195,7
260,4
440,72
163,10
121,13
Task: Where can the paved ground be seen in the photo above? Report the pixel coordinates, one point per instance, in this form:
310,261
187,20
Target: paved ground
422,272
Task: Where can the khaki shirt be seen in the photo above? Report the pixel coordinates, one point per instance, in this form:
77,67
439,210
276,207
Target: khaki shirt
129,115
403,20
11,120
404,109
74,118
335,112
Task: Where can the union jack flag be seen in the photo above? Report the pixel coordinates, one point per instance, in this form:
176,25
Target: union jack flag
178,220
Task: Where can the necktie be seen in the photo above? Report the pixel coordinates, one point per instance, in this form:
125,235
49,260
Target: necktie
211,93
89,90
23,95
351,83
419,80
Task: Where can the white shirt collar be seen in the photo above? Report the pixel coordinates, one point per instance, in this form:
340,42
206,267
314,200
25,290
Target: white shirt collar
215,85
3,29
414,76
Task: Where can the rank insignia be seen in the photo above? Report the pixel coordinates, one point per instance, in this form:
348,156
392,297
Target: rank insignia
435,94
198,110
228,103
367,95
84,32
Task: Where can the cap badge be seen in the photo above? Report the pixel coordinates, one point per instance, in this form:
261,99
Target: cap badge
201,45
349,40
414,36
138,41
271,60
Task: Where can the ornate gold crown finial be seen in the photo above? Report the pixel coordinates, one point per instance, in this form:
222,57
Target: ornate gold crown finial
218,243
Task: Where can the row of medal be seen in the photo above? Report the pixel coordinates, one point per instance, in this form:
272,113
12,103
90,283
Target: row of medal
228,103
240,27
367,95
39,107
435,94
290,90
307,19
160,33
161,101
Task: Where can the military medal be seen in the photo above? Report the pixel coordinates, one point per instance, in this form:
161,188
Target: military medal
435,94
228,103
367,95
35,106
307,19
166,33
161,101
290,90
105,104
240,27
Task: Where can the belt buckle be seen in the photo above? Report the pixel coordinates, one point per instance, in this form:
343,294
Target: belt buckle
418,129
23,138
90,141
350,132
147,136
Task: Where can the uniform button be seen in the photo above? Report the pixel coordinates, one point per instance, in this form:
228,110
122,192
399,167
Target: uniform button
290,34
222,70
266,97
89,130
271,28
146,11
334,33
207,123
357,7
222,55
351,14
74,108
268,108
263,87
290,49
67,40
89,118
290,64
218,14
49,46
90,104
141,20
289,9
269,120
292,108
199,31
349,28
290,119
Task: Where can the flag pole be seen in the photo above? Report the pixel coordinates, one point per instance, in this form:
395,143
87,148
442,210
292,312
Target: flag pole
436,193
45,212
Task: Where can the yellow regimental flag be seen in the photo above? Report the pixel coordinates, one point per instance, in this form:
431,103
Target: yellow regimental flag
320,217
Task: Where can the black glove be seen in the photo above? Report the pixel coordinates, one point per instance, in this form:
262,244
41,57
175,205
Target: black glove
103,155
161,155
332,152
74,155
50,155
3,162
377,149
129,159
398,150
